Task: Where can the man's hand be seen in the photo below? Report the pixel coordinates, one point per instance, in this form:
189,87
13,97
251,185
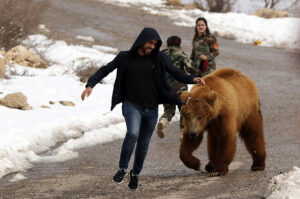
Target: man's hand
199,80
87,92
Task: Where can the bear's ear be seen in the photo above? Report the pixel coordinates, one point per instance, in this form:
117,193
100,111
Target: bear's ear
184,96
211,98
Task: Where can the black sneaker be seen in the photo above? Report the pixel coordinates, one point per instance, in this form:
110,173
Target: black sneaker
133,184
118,178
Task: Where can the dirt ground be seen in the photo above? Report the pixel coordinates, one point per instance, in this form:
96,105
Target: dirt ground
276,71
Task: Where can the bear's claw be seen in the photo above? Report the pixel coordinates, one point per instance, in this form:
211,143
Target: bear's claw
214,174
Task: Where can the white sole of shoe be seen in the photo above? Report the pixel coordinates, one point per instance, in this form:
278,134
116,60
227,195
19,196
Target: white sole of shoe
117,182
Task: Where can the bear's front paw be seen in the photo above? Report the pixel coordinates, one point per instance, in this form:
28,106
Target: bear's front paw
257,168
190,161
196,165
209,167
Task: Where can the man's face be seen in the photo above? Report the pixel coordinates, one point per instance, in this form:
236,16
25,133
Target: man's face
149,46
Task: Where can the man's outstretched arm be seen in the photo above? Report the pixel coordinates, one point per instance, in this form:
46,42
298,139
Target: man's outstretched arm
179,75
100,74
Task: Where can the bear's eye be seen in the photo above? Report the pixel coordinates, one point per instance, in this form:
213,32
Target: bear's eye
200,117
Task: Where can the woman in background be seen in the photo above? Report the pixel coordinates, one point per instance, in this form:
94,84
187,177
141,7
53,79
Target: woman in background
205,49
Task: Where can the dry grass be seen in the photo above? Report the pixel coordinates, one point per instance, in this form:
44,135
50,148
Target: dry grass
18,19
173,2
194,5
270,13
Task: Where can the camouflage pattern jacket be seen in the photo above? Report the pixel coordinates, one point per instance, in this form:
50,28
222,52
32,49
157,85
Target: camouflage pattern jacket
205,45
182,62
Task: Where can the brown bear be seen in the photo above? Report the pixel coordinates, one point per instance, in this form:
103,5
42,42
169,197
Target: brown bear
228,103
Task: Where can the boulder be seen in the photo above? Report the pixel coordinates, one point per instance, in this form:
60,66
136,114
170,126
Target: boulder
21,55
2,64
67,103
15,100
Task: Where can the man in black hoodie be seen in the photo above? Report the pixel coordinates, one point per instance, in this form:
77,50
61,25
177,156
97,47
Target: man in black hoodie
141,86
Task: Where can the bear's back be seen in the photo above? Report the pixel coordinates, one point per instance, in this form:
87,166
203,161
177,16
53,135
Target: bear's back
229,78
235,90
229,74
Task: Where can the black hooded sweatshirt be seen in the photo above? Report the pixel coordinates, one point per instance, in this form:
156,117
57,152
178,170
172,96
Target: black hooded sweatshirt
138,82
161,64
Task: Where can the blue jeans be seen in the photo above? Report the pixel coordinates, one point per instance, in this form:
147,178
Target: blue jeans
140,123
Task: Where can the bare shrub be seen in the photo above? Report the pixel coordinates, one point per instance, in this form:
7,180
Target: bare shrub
216,5
219,5
18,19
86,70
271,3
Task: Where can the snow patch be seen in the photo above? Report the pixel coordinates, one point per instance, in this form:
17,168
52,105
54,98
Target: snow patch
129,3
17,177
285,185
85,38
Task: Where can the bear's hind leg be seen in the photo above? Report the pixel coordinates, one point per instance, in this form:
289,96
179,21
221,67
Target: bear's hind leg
252,134
187,146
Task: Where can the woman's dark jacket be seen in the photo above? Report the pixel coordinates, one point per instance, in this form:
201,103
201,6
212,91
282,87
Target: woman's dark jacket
161,64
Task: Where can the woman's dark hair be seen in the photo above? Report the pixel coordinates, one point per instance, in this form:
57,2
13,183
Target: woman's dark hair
173,41
196,32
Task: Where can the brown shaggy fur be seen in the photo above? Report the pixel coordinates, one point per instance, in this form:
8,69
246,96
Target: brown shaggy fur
227,104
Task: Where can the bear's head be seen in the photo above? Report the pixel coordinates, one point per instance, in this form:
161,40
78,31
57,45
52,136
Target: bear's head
199,109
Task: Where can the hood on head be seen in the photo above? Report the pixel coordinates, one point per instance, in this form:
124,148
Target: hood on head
146,35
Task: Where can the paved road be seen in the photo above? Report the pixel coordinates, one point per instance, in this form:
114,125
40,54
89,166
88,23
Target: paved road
276,72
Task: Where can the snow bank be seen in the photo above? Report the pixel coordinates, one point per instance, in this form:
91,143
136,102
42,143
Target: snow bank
129,3
278,32
285,185
248,7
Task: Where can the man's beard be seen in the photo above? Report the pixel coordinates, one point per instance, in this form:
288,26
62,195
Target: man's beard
144,51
